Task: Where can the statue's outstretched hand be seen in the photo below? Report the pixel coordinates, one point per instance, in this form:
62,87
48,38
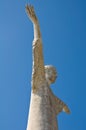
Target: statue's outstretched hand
66,109
31,13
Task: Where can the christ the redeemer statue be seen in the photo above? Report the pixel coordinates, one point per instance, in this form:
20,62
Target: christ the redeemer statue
44,105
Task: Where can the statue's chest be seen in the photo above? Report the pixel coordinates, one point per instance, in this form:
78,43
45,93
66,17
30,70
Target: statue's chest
42,102
41,108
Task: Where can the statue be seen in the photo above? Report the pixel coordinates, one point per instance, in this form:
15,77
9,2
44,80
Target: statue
44,105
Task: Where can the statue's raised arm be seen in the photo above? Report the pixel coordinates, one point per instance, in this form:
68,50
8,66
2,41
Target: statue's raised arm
38,73
32,16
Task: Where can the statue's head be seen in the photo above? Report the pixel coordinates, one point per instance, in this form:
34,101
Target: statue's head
50,74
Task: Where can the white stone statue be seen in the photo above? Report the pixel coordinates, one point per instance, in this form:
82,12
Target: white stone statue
44,105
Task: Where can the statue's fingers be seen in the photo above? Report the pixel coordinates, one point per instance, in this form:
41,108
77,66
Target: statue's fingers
32,10
28,9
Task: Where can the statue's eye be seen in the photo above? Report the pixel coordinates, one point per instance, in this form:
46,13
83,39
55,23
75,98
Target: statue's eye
49,71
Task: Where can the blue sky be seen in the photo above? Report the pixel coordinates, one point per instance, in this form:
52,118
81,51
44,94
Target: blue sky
63,27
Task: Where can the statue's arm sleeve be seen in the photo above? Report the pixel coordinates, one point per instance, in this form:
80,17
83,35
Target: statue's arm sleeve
60,106
38,73
38,62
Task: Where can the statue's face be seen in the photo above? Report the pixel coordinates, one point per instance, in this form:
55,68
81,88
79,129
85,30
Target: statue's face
50,73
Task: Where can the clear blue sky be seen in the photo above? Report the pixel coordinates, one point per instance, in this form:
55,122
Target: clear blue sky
63,27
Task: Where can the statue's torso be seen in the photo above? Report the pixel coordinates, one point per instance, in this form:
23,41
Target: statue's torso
42,114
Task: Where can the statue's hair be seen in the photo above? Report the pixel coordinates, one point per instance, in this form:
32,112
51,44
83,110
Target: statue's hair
50,73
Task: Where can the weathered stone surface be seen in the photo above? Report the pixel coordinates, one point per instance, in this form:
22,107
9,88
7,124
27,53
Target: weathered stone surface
44,105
